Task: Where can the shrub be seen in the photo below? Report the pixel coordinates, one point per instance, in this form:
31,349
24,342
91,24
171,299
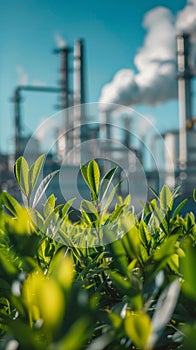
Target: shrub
111,281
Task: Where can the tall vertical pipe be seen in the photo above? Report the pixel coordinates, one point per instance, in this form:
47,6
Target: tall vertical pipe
64,82
17,119
79,96
184,94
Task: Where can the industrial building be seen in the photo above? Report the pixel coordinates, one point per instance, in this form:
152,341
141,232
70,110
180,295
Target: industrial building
79,139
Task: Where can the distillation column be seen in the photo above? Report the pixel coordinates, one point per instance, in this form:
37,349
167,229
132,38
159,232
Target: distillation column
184,95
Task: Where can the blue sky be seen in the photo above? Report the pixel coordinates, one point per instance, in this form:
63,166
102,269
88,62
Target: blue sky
113,33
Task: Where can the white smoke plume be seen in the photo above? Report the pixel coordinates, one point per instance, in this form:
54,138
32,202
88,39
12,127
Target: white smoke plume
22,76
186,18
186,22
155,80
60,42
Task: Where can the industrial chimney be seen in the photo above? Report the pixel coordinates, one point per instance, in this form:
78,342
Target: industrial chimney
184,94
79,118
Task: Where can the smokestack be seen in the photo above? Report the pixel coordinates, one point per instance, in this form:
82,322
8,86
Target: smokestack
64,81
17,118
79,133
184,94
127,128
79,79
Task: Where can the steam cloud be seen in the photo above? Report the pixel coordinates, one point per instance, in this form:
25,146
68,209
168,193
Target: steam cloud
60,42
155,80
22,76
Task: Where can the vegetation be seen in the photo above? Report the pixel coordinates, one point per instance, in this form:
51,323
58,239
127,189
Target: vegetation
110,281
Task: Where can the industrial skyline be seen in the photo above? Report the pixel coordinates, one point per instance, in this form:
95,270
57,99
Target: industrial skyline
101,65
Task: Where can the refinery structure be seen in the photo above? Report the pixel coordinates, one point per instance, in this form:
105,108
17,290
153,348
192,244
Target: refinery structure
87,132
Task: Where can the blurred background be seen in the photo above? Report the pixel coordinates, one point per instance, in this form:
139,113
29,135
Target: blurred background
66,64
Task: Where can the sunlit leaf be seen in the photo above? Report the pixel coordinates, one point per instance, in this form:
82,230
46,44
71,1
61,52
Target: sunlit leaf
106,182
49,205
179,208
67,206
83,169
93,175
21,171
194,194
166,199
10,203
42,187
35,171
188,269
138,328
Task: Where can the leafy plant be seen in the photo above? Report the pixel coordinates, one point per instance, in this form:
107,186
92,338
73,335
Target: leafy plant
110,281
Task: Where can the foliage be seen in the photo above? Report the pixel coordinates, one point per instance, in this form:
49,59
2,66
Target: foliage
111,281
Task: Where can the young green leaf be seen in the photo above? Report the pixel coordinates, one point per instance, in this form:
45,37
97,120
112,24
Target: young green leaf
110,197
42,187
179,207
49,205
35,171
166,199
67,206
10,203
106,182
83,169
88,207
93,175
21,171
194,194
145,235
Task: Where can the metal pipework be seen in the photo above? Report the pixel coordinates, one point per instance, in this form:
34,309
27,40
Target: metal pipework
17,110
184,94
79,119
64,80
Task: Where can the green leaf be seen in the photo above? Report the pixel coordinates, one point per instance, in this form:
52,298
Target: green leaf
10,203
89,211
179,207
67,206
121,283
93,175
163,311
106,182
110,197
35,171
115,214
145,235
166,249
117,250
138,328
42,187
188,269
154,192
162,219
166,199
77,335
194,194
49,205
88,207
83,169
21,171
131,239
